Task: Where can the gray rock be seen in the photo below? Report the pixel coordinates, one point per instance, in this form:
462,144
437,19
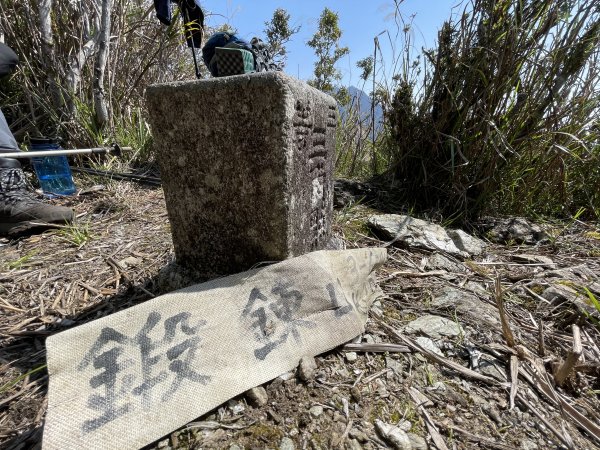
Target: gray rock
347,192
492,368
359,435
417,233
516,230
453,299
316,411
163,444
428,344
437,261
417,442
235,447
353,444
467,243
395,436
534,259
394,364
287,444
286,376
351,356
257,188
527,444
434,326
307,368
258,396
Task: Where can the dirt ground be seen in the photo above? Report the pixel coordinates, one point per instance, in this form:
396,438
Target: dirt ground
456,390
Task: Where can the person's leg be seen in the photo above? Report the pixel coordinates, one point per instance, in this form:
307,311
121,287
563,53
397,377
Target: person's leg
8,142
20,211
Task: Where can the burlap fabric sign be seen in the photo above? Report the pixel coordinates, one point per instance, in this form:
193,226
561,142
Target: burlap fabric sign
127,379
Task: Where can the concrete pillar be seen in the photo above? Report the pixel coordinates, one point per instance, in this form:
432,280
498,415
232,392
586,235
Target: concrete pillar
247,168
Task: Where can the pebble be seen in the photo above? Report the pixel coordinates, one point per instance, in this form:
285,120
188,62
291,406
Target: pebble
428,344
351,356
360,436
235,447
355,393
353,444
417,442
287,444
393,435
307,368
316,411
258,396
404,425
286,376
274,416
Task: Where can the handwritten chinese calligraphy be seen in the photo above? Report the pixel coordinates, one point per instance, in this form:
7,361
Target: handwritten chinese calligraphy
118,358
275,316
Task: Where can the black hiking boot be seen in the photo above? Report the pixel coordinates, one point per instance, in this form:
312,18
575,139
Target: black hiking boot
20,211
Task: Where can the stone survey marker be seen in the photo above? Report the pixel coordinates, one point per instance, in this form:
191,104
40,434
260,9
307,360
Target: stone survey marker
247,168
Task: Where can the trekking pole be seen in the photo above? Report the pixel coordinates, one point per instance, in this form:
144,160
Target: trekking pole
186,22
112,150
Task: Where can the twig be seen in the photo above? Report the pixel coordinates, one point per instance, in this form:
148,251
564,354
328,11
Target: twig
506,331
541,343
410,274
377,348
474,438
565,440
514,379
431,427
564,370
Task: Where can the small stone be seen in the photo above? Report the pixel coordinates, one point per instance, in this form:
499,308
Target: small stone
356,394
353,444
360,436
316,411
491,369
258,396
286,376
434,326
287,444
404,425
394,364
131,261
393,435
307,368
428,344
526,444
351,356
274,417
235,447
163,444
417,442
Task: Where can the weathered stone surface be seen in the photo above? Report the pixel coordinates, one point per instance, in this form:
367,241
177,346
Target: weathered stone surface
307,368
246,164
453,299
418,233
428,344
438,261
258,396
516,230
287,444
434,327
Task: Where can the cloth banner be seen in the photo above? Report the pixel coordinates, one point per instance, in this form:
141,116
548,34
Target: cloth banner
128,379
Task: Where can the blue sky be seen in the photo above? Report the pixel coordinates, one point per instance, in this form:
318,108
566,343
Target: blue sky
360,22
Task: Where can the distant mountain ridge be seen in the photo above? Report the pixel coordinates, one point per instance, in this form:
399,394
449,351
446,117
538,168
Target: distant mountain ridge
363,101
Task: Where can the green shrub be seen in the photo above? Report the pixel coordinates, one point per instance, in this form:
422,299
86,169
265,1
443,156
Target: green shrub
507,119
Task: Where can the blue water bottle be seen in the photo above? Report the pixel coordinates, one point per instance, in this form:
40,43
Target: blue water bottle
52,171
